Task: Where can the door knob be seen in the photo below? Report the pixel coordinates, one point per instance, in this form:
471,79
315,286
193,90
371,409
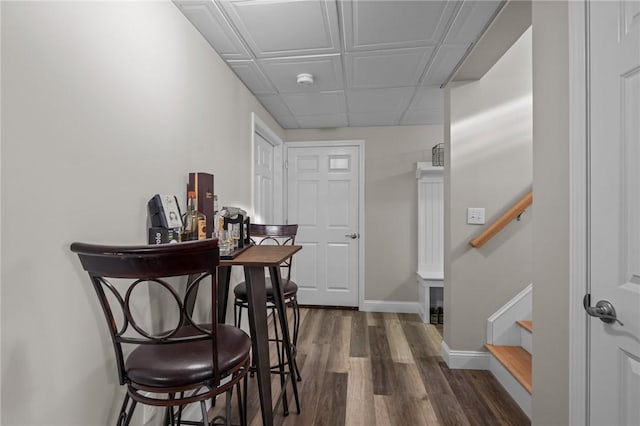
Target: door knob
603,310
352,236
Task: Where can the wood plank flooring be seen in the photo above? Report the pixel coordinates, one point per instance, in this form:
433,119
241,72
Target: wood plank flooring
379,369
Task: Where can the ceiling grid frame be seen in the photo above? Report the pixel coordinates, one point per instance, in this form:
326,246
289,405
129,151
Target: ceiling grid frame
266,72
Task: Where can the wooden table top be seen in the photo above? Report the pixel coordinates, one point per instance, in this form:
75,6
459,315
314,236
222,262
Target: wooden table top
265,255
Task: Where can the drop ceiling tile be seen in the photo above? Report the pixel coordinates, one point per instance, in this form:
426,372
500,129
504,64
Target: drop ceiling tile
387,68
251,76
287,121
387,24
428,97
286,28
315,103
391,101
326,70
322,121
372,119
443,64
471,20
214,27
275,105
427,107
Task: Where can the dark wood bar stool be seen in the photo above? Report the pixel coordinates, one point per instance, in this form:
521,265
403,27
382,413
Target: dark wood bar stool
274,235
177,355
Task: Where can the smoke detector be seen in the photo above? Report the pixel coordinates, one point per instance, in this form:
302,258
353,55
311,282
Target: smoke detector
305,79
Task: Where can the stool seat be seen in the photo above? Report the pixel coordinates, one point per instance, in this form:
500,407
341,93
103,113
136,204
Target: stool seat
290,289
181,364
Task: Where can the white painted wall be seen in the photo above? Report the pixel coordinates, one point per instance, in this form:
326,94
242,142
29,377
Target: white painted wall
104,104
391,202
489,165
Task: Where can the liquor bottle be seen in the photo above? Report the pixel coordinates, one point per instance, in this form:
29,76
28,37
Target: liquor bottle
194,227
433,317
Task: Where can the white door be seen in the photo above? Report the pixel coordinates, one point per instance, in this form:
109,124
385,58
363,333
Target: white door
263,175
614,271
323,190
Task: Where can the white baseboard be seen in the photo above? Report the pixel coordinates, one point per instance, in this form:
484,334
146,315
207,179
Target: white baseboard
511,385
390,306
465,360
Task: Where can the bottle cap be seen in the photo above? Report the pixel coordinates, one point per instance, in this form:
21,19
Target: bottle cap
191,194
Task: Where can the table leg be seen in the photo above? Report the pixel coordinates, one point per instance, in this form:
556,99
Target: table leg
224,280
257,299
278,298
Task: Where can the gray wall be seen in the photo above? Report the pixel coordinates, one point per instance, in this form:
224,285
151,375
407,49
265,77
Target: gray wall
489,157
551,221
103,105
391,202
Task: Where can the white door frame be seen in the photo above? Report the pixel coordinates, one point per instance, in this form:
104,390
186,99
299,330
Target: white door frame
361,241
260,127
578,208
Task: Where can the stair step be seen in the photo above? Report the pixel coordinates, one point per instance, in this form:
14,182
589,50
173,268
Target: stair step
516,360
527,325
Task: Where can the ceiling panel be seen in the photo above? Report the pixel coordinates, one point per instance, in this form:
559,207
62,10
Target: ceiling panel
387,68
207,18
391,101
471,20
326,70
427,107
320,121
252,77
443,64
372,119
383,66
307,27
372,25
315,103
287,121
275,105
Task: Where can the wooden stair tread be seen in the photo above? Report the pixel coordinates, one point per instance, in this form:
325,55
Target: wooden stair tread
527,325
516,360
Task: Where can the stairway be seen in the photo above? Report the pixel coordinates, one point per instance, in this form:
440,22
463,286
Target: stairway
510,345
517,359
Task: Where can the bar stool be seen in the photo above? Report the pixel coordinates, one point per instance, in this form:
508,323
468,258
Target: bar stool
278,235
183,360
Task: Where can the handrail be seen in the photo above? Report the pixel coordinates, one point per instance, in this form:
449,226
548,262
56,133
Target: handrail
503,221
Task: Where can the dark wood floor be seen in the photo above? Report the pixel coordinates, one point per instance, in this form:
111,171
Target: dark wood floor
375,369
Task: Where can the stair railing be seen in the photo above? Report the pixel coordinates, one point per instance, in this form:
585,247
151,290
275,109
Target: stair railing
514,212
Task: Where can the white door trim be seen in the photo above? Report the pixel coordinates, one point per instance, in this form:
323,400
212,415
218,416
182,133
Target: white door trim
578,221
260,127
361,240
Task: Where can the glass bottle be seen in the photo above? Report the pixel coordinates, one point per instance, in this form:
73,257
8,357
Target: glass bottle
194,227
433,315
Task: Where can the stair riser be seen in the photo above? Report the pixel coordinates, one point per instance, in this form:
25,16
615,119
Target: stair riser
526,340
511,385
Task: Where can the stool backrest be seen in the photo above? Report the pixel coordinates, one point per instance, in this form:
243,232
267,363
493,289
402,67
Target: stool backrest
119,275
275,234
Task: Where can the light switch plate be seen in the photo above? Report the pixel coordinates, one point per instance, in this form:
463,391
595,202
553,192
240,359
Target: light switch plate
475,216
